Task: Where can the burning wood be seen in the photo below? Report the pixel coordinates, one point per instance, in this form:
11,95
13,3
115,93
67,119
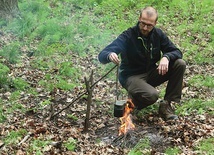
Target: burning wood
127,140
126,121
126,137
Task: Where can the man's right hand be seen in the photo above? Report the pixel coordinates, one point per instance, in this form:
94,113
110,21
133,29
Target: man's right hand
113,57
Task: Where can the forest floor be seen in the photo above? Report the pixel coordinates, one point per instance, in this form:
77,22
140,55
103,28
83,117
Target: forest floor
102,136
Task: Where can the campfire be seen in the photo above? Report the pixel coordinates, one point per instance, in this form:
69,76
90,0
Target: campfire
126,121
126,139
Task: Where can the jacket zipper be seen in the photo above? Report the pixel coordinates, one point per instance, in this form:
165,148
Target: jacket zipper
151,47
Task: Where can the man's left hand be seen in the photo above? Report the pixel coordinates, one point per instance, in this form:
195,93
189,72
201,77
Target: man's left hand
163,66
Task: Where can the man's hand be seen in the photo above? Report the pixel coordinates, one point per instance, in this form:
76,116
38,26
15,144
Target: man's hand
114,58
163,66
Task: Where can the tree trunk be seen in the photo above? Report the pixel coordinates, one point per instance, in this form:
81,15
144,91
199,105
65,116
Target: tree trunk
9,9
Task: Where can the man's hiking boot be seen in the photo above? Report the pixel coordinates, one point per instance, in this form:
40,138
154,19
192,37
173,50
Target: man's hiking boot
167,110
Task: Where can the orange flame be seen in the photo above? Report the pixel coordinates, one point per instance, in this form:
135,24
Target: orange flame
126,121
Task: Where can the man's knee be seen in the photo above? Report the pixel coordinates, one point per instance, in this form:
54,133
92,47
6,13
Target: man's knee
180,63
152,96
142,100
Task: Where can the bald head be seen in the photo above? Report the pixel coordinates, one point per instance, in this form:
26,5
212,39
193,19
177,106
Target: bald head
149,12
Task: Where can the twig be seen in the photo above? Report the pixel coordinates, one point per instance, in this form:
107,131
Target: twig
57,144
78,97
103,76
51,112
25,138
68,105
89,101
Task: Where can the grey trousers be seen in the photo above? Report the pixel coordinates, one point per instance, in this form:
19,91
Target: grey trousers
141,88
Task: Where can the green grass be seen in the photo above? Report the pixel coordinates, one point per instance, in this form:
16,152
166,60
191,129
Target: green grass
148,110
45,103
13,137
73,117
70,144
172,151
37,146
11,52
142,147
4,80
202,80
205,147
198,106
20,84
3,116
51,25
15,95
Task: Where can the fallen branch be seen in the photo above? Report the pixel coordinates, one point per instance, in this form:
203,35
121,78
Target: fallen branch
25,138
127,140
57,144
84,93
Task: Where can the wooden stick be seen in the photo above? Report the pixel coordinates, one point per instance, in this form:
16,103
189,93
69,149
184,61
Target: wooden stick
89,101
25,138
78,97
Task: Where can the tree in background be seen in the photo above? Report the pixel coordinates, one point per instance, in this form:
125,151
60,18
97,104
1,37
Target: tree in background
9,9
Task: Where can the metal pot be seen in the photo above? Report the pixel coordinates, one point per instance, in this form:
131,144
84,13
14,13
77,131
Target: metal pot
119,108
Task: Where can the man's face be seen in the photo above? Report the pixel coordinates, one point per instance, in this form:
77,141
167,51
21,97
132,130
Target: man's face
146,23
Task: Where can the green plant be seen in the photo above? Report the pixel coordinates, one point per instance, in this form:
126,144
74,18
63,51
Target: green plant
43,63
51,49
83,3
14,106
48,86
38,8
162,92
71,116
3,22
118,19
67,69
49,32
23,26
147,110
45,103
142,147
205,147
32,91
57,81
202,80
4,70
33,12
11,52
172,151
37,145
15,95
196,105
64,84
20,84
2,112
70,144
14,136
